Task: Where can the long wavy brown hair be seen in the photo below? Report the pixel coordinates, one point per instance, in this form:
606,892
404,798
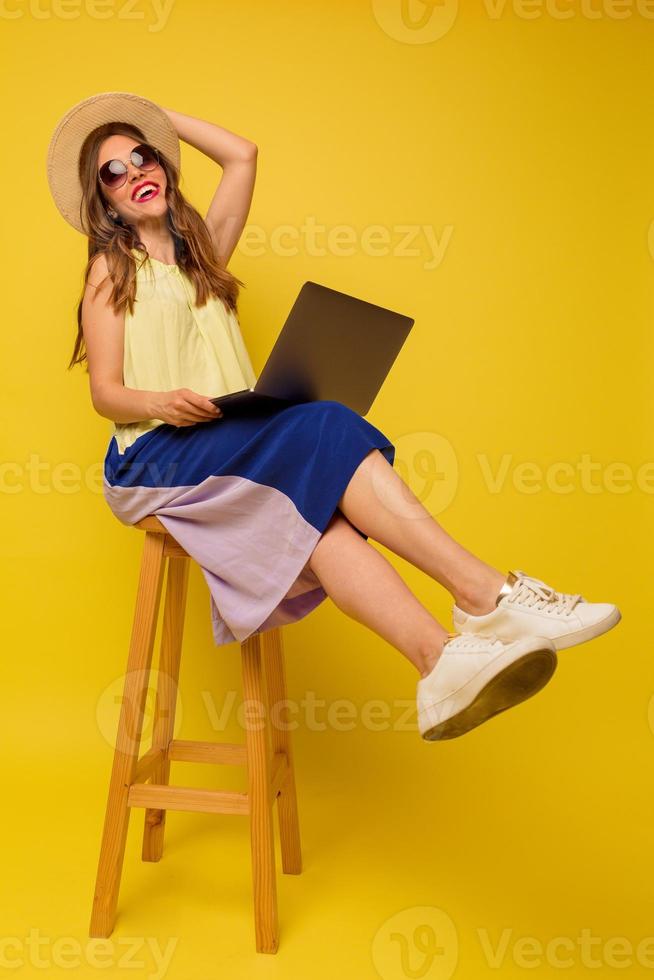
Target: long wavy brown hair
194,252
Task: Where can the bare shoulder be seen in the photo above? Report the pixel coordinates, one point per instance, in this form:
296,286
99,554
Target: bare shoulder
97,305
99,272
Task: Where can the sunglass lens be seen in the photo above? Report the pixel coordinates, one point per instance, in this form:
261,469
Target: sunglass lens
112,173
144,156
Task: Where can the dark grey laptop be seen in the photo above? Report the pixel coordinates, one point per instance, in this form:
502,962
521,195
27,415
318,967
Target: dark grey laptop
332,346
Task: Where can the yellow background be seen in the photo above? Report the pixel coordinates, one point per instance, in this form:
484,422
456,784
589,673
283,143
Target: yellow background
528,134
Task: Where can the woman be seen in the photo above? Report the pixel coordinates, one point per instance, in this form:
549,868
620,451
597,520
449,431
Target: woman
276,506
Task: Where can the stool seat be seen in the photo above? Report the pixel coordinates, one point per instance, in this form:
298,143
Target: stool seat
150,523
143,780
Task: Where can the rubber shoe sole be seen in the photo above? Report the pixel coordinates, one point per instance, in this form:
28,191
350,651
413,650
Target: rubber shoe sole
518,681
589,632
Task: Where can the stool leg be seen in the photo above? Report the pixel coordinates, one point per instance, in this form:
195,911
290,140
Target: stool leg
260,799
166,700
128,739
289,825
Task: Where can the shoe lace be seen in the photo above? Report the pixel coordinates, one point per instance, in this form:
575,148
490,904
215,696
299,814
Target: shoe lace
472,641
534,592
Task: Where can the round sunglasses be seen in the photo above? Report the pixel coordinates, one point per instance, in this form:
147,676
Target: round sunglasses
113,173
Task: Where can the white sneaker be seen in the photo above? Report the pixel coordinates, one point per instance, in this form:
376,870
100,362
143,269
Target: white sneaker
476,677
526,606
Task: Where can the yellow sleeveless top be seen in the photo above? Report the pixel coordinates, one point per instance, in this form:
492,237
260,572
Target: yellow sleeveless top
171,343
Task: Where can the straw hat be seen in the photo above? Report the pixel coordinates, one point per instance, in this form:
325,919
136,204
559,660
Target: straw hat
74,127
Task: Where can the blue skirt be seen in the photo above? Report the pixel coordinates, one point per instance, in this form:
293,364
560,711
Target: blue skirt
248,498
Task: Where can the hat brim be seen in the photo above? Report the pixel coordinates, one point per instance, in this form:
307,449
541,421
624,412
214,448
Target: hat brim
79,121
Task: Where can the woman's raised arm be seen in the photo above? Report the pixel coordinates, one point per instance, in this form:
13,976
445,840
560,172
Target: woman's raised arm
237,156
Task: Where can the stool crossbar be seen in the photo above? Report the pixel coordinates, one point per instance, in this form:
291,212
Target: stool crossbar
144,780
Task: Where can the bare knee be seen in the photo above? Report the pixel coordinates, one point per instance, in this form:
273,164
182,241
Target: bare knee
332,536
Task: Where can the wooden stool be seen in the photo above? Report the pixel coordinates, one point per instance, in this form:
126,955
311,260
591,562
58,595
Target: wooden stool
144,781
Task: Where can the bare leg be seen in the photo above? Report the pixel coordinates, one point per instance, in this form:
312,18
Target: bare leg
365,586
380,504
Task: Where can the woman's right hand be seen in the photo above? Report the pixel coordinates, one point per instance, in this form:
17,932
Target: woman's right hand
184,407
